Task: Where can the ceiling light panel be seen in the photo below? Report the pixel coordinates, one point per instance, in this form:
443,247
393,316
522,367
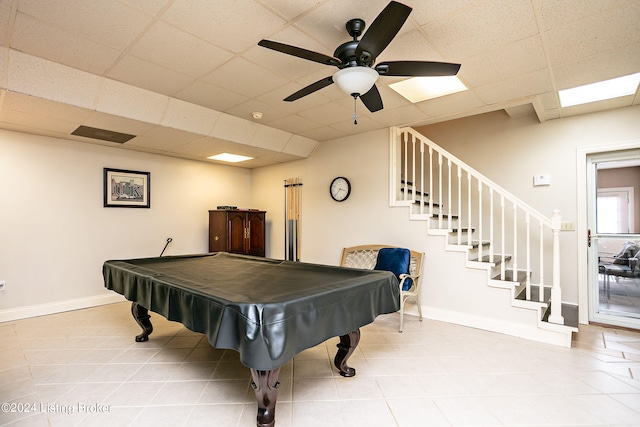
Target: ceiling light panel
599,91
419,89
228,157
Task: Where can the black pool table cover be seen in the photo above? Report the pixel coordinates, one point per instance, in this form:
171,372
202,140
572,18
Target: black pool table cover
268,310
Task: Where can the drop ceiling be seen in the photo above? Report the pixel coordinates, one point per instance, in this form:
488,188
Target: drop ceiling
185,76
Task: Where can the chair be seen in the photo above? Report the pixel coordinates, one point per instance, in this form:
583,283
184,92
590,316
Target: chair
623,264
366,256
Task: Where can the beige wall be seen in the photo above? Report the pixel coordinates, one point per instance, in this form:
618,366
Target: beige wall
55,233
328,226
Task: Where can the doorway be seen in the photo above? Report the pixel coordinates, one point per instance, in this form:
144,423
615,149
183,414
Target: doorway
613,220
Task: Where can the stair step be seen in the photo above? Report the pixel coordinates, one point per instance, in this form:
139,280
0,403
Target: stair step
535,292
444,216
569,313
462,230
497,260
410,191
475,244
426,204
508,276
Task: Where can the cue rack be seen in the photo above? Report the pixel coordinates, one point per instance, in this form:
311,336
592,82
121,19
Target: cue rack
292,197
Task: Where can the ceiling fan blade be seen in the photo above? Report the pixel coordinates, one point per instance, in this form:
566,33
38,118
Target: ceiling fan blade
417,68
310,89
300,52
382,30
372,99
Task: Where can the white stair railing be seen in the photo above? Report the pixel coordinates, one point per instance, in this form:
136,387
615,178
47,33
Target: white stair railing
453,196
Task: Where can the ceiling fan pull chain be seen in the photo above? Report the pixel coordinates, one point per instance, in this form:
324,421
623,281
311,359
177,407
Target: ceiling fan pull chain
355,116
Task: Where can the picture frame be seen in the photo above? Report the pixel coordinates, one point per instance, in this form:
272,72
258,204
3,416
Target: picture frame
126,188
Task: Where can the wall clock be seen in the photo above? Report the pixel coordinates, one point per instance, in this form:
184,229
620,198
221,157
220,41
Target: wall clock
340,189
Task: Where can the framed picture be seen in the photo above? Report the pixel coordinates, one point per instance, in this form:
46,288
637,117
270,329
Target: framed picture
126,189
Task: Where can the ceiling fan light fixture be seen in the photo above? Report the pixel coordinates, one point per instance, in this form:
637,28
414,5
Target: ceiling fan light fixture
356,80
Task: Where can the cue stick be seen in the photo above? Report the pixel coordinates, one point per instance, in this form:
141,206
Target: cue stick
169,240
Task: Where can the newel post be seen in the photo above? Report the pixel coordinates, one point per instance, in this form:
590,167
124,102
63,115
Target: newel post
556,292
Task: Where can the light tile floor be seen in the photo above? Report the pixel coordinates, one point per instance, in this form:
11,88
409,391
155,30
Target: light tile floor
83,368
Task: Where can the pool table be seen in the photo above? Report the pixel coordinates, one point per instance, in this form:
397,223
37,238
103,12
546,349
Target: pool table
268,310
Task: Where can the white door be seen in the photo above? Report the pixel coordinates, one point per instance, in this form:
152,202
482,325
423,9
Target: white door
614,245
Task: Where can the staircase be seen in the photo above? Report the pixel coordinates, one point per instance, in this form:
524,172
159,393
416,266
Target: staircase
509,270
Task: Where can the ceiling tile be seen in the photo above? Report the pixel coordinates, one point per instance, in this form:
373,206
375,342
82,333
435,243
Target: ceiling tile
289,9
451,104
294,123
400,116
26,119
38,77
179,50
519,87
129,101
4,24
210,96
190,117
300,146
520,57
146,75
593,35
87,19
608,65
165,139
231,128
554,13
327,114
270,138
245,78
35,105
438,9
269,111
482,26
43,40
324,133
151,7
236,24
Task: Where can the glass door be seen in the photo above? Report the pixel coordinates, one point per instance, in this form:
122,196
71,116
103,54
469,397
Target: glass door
614,243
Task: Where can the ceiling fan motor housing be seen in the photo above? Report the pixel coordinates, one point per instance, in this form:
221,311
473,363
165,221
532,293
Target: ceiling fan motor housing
346,52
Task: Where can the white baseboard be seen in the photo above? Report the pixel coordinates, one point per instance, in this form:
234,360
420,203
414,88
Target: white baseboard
504,327
58,307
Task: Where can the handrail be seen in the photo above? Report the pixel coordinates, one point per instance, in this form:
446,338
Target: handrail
418,163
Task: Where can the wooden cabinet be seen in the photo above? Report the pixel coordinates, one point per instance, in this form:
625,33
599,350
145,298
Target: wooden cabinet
237,231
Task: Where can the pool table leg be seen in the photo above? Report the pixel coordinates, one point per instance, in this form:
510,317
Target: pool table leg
347,346
141,315
265,384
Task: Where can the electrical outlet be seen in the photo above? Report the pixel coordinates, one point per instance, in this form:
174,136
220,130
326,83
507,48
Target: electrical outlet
3,284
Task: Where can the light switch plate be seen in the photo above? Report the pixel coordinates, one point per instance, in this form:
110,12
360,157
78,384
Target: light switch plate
539,180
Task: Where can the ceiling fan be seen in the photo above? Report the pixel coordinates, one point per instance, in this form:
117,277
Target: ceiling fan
355,59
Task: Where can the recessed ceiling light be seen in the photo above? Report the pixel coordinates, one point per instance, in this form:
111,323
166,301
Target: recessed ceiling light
607,89
228,157
419,89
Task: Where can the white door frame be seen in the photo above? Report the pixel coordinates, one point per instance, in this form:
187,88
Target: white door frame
583,186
